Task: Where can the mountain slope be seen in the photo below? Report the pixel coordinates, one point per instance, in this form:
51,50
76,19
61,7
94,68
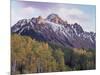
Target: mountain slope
54,30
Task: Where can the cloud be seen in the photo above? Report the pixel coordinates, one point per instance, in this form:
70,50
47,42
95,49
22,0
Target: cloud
75,14
29,12
14,17
72,15
24,13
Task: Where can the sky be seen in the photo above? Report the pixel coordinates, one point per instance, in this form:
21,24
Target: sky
85,15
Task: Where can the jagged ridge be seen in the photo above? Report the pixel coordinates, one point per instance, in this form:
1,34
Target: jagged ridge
54,30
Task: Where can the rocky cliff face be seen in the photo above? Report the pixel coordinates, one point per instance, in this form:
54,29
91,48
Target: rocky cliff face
54,30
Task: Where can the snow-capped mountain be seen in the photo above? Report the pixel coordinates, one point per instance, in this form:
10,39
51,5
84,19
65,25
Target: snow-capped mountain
54,30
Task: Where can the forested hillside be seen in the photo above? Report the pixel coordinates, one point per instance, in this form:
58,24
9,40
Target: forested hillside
31,56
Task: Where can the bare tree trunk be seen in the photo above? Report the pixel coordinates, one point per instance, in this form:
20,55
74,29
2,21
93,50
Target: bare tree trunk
13,67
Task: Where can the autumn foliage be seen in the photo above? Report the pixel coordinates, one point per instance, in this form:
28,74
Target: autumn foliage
32,56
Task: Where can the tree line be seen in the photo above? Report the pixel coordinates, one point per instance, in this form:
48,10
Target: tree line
32,56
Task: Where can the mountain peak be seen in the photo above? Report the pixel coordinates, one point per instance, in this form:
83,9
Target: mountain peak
78,28
55,19
51,16
40,20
